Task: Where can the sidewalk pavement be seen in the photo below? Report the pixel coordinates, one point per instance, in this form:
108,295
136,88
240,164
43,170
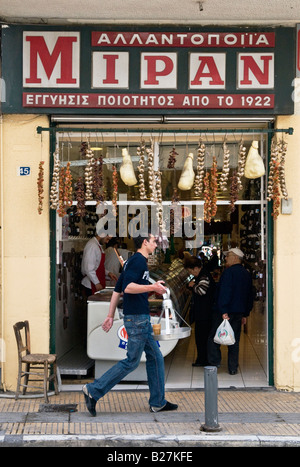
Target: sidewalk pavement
247,418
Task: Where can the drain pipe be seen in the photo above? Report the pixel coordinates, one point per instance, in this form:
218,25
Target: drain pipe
211,400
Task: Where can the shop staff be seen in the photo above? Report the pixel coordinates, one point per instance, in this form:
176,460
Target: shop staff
113,261
201,312
93,265
234,302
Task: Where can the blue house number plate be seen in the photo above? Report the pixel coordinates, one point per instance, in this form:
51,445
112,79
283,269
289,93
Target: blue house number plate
24,171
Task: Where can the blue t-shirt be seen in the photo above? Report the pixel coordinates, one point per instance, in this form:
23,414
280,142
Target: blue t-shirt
135,270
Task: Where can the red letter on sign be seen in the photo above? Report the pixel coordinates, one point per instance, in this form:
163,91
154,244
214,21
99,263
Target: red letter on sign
153,73
212,72
262,76
62,47
110,69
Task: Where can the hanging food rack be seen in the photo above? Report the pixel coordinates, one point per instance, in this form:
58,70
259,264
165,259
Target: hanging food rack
201,182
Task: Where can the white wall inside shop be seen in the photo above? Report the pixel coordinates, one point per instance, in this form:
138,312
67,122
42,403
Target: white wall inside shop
25,238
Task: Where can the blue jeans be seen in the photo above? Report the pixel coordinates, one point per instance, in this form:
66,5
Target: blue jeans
140,339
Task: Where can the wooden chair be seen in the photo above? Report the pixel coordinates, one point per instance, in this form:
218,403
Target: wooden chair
38,361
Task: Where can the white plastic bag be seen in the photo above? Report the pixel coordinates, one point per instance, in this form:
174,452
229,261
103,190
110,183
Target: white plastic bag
224,334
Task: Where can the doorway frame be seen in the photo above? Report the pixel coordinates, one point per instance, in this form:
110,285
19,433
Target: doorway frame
269,239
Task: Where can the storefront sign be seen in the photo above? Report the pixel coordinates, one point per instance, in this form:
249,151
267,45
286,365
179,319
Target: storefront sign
203,71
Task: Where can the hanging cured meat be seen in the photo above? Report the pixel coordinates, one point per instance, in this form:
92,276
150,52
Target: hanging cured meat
214,187
254,166
115,190
225,170
207,204
88,175
158,200
154,177
273,159
65,190
126,170
276,180
40,184
151,174
200,168
54,197
80,197
98,180
210,192
172,158
241,165
141,169
282,154
175,213
276,189
234,188
187,175
83,149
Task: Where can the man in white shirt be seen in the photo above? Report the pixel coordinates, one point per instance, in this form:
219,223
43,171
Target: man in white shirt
93,265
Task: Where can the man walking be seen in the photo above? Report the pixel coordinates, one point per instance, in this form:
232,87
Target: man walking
234,302
134,283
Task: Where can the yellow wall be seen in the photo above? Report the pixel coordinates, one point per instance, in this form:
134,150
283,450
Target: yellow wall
286,272
25,238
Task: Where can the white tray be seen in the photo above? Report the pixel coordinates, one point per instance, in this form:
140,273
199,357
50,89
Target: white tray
177,333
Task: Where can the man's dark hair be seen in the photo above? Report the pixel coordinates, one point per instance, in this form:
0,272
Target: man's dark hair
113,241
192,262
138,241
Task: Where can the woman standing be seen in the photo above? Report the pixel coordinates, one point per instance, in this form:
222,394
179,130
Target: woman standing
203,290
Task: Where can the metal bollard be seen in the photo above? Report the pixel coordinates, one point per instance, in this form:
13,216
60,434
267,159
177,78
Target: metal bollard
211,400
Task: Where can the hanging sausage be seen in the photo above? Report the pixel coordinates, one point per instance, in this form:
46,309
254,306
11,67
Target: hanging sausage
141,169
80,197
241,165
210,192
225,169
234,188
40,184
200,168
282,153
65,190
98,180
88,174
276,180
54,198
115,190
276,189
151,175
172,158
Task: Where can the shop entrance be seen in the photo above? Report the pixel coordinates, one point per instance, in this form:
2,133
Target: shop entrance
239,219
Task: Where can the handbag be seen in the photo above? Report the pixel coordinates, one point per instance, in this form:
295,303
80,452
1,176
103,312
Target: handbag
224,334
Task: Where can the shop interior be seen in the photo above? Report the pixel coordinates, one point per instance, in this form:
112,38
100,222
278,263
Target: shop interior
236,217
